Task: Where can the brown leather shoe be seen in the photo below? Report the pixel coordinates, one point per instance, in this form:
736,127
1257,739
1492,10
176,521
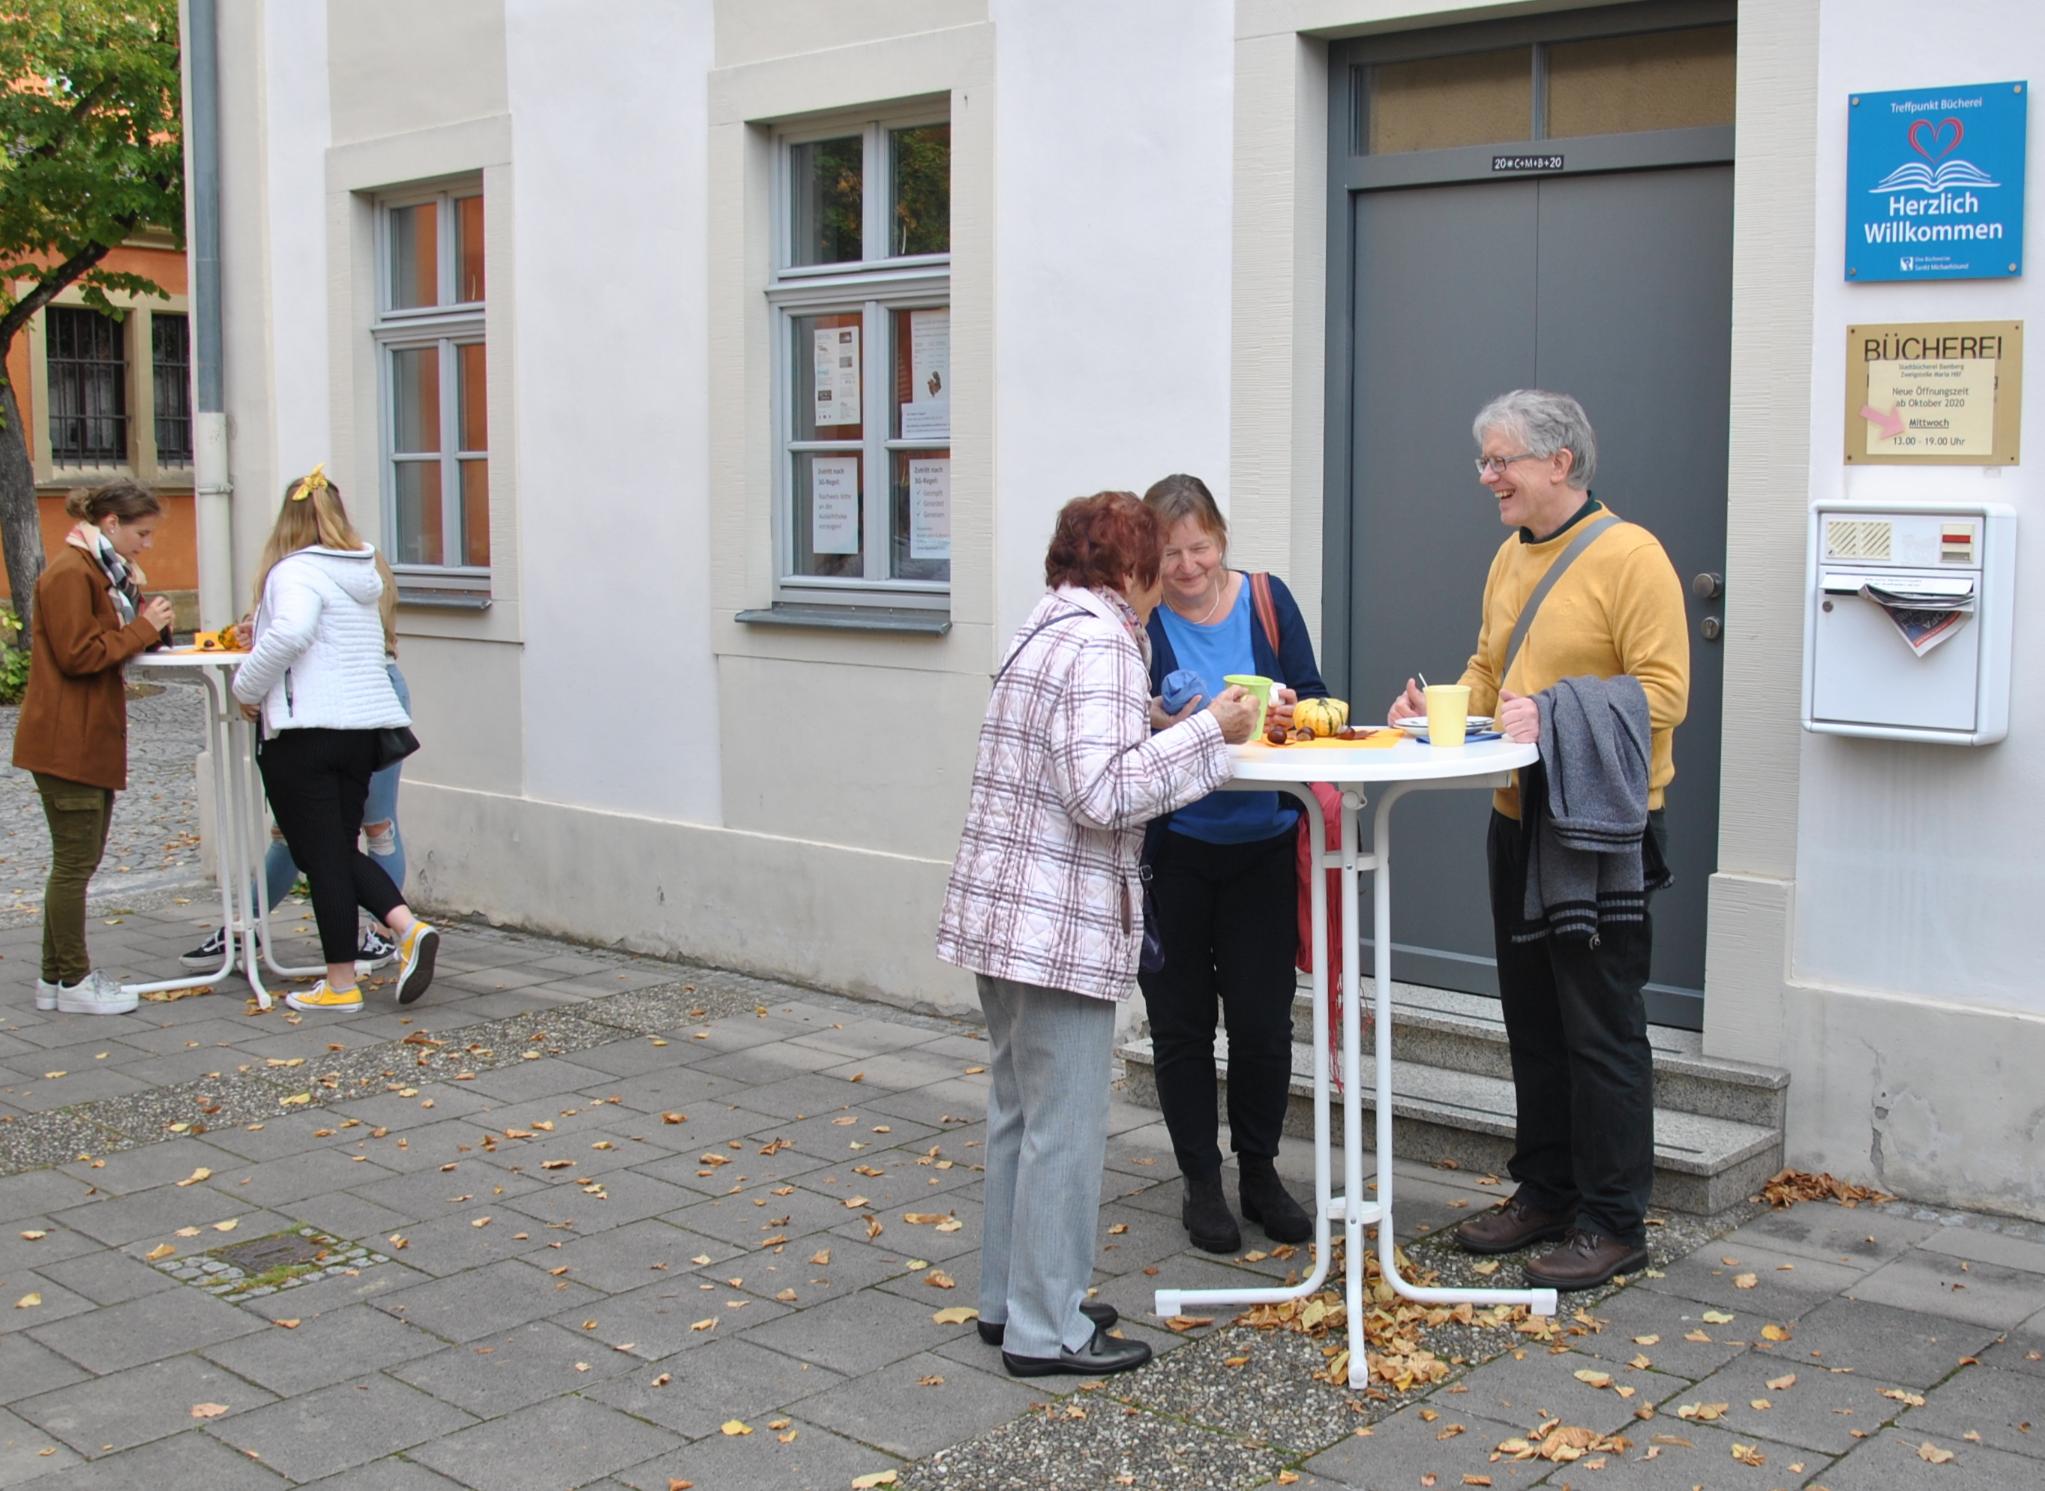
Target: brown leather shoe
1584,1261
1512,1226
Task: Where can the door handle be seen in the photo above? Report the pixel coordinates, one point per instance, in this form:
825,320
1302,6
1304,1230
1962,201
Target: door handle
1707,585
1710,626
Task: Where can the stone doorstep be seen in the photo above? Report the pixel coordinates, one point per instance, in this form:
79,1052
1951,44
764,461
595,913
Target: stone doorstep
1702,1164
1465,1033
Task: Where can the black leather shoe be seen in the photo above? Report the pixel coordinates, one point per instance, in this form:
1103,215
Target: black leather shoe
1101,1355
1103,1316
1209,1222
1584,1261
1268,1203
1512,1226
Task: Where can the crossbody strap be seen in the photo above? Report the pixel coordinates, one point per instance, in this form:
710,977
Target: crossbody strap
1016,651
1267,611
1563,561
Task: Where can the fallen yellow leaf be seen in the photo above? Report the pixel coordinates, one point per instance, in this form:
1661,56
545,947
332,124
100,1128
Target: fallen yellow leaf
208,1410
290,1325
196,1176
1773,1332
227,1226
1717,1317
1786,1380
33,1236
160,1252
954,1315
734,1428
1745,1281
28,1301
1593,1378
878,1478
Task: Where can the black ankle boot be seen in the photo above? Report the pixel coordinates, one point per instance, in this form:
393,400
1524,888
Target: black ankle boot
1266,1201
1209,1222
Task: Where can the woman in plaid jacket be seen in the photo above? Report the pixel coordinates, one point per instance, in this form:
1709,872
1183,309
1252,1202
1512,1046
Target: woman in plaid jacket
1045,907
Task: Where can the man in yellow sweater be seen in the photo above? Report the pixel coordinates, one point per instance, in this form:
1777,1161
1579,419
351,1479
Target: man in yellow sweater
1574,1014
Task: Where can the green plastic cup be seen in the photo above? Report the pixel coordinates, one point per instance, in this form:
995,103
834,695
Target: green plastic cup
1260,688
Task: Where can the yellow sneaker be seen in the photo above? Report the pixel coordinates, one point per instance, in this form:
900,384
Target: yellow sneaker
416,952
322,997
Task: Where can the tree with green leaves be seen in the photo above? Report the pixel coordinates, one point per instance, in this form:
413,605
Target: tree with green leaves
91,151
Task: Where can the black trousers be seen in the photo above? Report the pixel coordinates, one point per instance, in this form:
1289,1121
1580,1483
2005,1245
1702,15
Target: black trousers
317,781
1228,914
1581,1067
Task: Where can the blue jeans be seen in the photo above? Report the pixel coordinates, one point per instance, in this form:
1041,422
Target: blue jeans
279,870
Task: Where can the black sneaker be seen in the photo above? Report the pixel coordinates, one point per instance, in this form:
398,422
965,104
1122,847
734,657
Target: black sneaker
209,954
375,951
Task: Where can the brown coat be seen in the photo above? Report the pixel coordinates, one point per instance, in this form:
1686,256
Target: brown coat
74,722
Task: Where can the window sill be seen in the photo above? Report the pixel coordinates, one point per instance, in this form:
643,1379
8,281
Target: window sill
850,619
443,600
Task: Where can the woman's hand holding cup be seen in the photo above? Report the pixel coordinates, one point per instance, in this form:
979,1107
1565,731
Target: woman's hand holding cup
1280,712
1235,710
158,612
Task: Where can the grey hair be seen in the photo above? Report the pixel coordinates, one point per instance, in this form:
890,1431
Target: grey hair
1544,422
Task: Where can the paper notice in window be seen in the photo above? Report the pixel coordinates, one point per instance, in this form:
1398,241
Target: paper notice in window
930,509
834,505
836,354
927,415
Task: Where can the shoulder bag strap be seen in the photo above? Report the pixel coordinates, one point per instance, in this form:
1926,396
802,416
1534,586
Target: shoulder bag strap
1267,613
1016,651
1563,561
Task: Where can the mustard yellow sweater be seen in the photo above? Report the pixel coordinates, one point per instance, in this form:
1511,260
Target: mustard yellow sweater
1618,610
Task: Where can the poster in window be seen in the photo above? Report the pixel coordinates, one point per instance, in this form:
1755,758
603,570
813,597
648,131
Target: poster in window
834,504
927,415
930,509
837,372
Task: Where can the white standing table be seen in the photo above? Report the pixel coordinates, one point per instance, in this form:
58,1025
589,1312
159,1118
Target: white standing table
236,830
1408,766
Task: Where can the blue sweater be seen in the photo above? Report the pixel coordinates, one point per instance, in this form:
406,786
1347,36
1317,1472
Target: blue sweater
1292,665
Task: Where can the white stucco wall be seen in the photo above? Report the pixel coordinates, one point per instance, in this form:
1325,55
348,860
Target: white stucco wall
1112,253
296,124
611,352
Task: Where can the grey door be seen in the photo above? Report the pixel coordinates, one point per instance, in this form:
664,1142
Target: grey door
1617,288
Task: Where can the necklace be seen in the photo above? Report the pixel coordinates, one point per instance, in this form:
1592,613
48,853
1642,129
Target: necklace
1220,591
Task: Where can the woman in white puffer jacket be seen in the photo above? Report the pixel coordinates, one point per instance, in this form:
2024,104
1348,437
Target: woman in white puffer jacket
315,680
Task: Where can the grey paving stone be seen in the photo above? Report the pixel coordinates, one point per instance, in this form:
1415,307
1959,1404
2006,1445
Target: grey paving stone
1890,1461
278,1183
191,1459
427,1194
392,1110
921,1239
122,1219
538,1079
38,1096
1402,1448
2005,1409
394,1474
516,1368
120,1410
1835,1233
859,1332
108,1278
1983,1246
343,1215
1785,1285
561,1443
305,1438
899,1410
338,1292
484,1301
851,1266
326,1348
1145,1238
27,1367
27,1453
658,1320
1685,1456
2018,1351
638,1056
454,1244
622,1151
1899,1346
834,1141
750,1217
18,1250
1819,1411
1936,1284
40,1193
37,1300
1543,1385
1633,1312
145,1330
620,1196
761,1066
150,1166
624,1258
806,1096
761,1461
721,1380
744,1166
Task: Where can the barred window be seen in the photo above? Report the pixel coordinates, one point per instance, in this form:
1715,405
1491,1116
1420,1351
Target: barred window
170,336
88,372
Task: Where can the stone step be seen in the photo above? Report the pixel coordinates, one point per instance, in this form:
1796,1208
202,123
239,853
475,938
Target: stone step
1466,1033
1703,1163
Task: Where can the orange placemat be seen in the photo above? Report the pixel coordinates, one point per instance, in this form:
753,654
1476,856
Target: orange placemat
1376,740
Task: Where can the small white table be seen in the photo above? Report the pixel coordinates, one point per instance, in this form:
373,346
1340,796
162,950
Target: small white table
236,830
1408,766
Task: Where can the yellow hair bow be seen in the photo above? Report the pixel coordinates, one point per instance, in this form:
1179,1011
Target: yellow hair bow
313,481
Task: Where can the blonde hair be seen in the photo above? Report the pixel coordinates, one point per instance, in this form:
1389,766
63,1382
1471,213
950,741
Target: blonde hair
312,514
387,605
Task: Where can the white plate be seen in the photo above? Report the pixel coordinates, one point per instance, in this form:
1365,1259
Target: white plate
1475,723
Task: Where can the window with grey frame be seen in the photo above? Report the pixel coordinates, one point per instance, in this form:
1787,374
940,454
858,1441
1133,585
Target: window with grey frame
87,366
433,387
170,355
861,298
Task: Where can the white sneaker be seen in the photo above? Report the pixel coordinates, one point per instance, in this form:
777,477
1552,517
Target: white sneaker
46,994
98,993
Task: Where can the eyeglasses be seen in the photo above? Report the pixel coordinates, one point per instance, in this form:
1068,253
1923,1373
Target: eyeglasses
1488,464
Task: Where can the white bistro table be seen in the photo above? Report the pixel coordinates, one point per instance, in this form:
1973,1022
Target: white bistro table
236,830
1408,766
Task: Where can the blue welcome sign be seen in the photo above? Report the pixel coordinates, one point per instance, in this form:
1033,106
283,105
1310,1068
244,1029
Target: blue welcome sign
1935,183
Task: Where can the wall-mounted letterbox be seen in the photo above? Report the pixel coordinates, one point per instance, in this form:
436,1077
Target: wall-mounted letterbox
1910,615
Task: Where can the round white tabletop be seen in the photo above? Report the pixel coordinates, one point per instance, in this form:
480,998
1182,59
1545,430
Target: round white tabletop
1409,761
186,658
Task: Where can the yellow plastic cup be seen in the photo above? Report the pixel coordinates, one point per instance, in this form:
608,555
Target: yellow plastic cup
1260,688
1448,713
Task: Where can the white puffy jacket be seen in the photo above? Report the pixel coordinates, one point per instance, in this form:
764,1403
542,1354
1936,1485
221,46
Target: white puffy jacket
318,659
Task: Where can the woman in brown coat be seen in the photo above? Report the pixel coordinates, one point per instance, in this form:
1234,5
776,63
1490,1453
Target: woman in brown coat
89,618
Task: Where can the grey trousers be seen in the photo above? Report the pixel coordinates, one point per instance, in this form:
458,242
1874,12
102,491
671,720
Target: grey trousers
1047,1136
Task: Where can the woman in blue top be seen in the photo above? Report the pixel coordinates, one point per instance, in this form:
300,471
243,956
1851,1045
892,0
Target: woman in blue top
1224,877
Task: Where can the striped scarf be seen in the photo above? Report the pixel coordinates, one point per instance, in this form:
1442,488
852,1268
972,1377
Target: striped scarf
124,580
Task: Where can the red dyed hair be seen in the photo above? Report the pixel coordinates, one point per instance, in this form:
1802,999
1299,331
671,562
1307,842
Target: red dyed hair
1102,540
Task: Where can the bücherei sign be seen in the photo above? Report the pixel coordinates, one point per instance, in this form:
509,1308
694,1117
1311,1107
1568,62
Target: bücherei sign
1935,183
